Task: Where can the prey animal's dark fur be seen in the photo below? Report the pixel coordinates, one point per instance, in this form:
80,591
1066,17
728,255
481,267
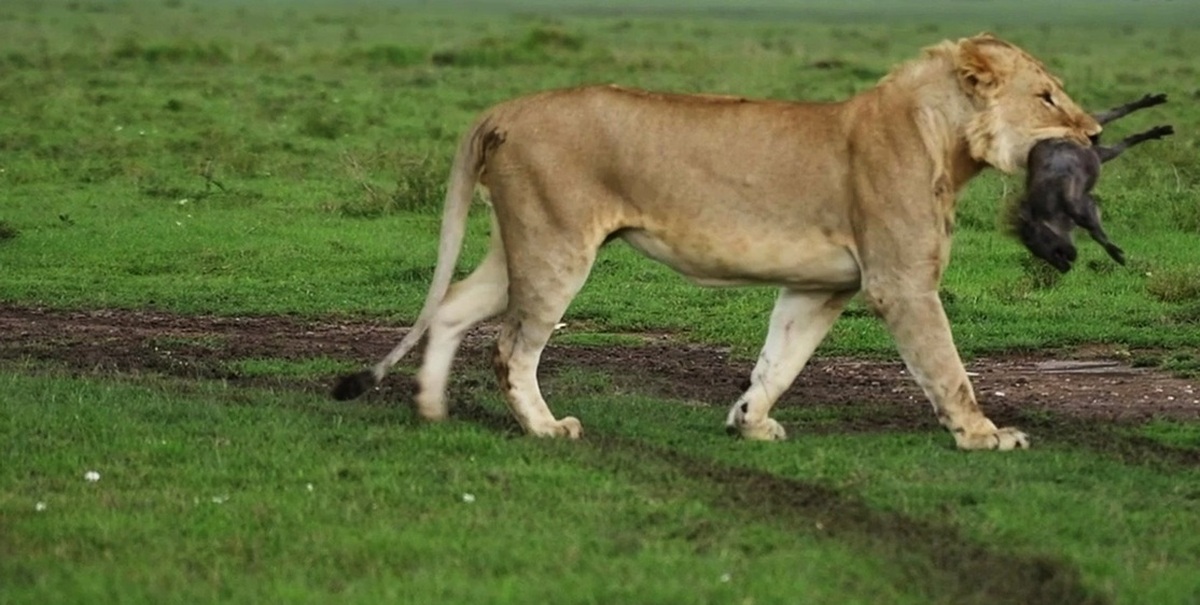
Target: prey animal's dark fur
1058,190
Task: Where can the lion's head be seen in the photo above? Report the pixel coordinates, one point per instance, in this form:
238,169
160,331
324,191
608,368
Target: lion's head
1017,102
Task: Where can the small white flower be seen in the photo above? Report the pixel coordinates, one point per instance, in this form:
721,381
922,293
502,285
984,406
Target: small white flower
182,201
999,393
119,128
92,476
726,577
39,507
220,499
309,487
468,498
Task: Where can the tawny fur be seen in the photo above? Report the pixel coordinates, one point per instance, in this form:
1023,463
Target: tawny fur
824,200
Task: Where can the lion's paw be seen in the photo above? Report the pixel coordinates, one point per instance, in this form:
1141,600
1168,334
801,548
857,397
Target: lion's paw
568,427
766,430
433,409
1000,439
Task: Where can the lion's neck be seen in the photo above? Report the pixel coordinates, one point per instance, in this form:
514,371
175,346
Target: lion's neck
939,111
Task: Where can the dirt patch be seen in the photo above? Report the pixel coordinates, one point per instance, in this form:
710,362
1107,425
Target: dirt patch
1009,387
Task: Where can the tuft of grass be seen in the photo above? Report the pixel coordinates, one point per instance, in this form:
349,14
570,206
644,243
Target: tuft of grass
1175,285
1038,273
317,367
324,122
539,44
1173,433
1182,363
8,230
1185,364
1189,313
386,55
420,185
175,52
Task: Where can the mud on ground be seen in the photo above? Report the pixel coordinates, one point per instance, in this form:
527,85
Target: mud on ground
1087,384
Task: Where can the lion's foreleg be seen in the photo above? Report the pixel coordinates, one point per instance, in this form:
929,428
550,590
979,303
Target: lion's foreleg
799,323
922,333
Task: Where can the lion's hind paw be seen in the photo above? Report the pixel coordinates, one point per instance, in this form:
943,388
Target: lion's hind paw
1003,439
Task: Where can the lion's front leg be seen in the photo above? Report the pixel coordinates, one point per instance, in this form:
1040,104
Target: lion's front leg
919,325
799,322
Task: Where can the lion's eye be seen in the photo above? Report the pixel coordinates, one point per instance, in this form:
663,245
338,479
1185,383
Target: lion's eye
1047,98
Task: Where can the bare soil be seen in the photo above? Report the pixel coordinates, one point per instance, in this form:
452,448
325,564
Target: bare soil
1091,384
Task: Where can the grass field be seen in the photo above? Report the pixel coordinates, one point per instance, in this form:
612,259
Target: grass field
288,158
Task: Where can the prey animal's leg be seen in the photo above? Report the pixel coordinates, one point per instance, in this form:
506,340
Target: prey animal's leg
919,326
1121,111
483,294
1086,214
1109,152
799,323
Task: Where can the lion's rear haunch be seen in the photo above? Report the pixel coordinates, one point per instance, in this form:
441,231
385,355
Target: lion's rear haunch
354,385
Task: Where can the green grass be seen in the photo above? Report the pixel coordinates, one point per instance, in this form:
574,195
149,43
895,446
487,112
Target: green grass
233,165
288,158
208,492
286,368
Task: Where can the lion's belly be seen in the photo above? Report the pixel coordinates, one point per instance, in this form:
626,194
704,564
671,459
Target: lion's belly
716,259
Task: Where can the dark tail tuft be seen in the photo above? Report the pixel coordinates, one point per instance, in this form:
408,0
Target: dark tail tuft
353,385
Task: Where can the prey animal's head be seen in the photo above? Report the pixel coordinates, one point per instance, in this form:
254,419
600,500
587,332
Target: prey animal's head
1058,190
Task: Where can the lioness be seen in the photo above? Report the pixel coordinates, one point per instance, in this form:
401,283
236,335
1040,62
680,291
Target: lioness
822,199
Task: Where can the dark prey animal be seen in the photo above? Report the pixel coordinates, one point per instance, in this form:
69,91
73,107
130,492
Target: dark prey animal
1058,189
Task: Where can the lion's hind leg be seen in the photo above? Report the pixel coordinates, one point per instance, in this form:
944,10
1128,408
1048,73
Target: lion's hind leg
482,294
540,289
799,323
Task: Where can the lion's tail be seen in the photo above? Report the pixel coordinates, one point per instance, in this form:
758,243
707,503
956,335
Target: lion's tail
468,161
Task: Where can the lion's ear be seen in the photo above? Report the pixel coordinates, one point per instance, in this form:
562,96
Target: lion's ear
977,73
